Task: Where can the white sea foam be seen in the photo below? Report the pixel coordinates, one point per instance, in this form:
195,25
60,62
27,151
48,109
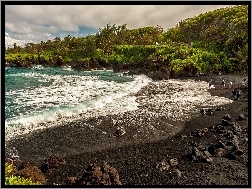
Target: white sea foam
178,99
37,67
67,97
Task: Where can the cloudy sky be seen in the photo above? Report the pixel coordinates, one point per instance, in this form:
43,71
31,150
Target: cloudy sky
35,23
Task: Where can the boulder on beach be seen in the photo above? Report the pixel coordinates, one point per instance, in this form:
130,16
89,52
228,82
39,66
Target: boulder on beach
199,132
227,117
95,175
197,154
236,128
219,129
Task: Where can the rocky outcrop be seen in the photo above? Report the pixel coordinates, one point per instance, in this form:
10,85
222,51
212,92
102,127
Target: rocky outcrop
156,70
52,163
95,175
228,147
88,65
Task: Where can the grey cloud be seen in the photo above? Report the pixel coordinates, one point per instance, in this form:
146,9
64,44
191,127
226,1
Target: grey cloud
33,21
67,17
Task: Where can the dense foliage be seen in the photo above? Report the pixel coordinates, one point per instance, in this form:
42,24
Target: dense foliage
16,180
180,56
213,41
221,30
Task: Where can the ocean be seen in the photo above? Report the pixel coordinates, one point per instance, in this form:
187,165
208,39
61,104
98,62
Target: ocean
41,97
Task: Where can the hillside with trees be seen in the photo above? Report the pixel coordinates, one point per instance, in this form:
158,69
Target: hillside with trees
222,30
210,42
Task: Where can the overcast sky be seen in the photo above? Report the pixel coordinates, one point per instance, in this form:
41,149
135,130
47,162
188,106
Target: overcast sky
36,23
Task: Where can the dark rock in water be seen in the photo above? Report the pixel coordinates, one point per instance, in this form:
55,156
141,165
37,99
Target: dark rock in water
32,172
227,117
241,117
51,163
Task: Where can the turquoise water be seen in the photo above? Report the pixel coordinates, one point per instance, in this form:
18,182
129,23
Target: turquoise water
38,96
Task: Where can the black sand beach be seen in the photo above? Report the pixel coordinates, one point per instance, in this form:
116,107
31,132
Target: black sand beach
136,155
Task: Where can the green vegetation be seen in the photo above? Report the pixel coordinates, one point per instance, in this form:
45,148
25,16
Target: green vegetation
181,56
16,180
223,30
210,42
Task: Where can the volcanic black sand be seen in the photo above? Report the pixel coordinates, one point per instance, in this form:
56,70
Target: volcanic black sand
137,154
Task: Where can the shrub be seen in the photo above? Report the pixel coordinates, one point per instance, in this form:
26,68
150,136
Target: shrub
16,180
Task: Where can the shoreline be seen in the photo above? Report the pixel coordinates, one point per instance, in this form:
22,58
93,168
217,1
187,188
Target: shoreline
135,161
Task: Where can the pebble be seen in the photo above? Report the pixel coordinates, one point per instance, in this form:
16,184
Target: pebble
174,162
